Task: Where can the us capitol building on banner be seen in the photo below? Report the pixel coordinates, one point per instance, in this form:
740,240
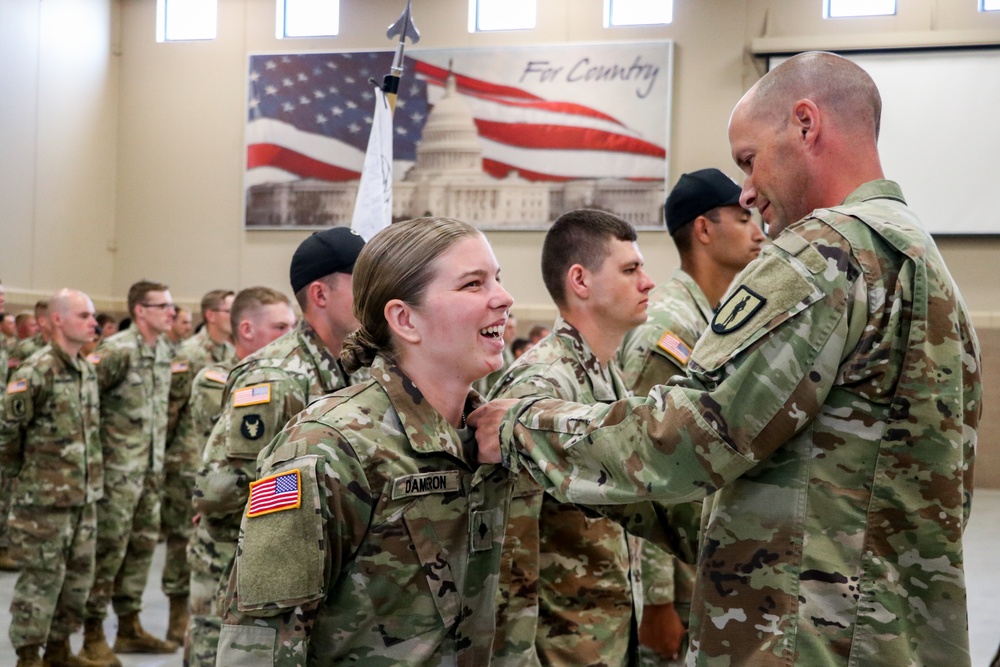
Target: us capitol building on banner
448,180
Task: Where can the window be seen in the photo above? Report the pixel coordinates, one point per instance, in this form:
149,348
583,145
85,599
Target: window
179,20
989,5
836,9
308,18
501,15
637,12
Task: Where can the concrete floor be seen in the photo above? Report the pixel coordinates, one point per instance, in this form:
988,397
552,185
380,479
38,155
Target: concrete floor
982,546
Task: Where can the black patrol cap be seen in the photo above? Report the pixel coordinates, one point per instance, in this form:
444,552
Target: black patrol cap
699,192
330,251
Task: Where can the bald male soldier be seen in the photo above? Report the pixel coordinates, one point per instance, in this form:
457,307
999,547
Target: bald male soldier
211,345
831,423
51,447
274,384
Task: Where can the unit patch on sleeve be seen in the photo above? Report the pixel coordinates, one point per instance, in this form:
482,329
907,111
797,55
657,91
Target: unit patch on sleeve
275,493
254,395
737,310
424,483
252,427
675,347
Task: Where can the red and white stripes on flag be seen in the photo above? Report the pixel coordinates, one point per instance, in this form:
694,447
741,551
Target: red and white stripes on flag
274,493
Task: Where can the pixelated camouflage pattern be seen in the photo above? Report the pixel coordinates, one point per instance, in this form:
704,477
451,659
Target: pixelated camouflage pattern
201,412
298,369
678,306
835,431
191,356
5,346
404,575
135,384
25,348
589,590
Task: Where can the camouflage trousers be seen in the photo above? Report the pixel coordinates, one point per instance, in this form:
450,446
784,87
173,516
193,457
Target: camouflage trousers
128,526
211,562
175,524
55,546
5,494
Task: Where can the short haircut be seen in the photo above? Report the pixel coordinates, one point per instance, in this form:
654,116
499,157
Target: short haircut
682,236
138,291
213,300
302,296
579,237
104,318
250,300
41,308
20,318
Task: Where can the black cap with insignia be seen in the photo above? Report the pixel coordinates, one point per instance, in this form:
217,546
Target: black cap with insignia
697,193
330,251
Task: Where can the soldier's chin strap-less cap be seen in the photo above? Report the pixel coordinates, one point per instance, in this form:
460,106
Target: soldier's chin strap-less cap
697,193
330,251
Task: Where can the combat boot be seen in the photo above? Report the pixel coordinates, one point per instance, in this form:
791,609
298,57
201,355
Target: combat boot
95,646
7,564
27,656
179,616
133,639
59,654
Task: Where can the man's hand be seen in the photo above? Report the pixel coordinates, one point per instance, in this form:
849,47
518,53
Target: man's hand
486,419
661,630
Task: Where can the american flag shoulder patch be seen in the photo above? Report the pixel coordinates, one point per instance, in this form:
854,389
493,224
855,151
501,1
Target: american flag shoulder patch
274,493
179,367
94,358
253,395
675,347
216,376
17,386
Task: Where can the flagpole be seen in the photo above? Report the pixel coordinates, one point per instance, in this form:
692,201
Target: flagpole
403,27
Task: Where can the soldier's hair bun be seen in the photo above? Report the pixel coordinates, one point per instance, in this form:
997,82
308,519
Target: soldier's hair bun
358,351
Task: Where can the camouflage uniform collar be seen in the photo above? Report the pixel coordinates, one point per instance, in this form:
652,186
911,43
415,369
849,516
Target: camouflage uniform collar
218,351
144,349
76,363
880,189
606,382
426,430
327,365
697,296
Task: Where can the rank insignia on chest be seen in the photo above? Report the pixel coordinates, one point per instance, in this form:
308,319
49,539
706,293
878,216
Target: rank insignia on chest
254,395
17,386
179,367
252,427
675,347
275,493
742,305
422,484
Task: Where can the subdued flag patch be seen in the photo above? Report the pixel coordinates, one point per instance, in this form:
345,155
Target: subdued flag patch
675,347
254,395
17,386
275,493
742,305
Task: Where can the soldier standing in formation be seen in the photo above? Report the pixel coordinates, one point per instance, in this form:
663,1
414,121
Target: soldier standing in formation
833,421
133,369
50,446
372,533
259,315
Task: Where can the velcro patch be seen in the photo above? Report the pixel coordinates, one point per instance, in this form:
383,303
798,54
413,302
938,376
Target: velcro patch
17,386
179,367
424,483
675,347
253,395
216,376
275,493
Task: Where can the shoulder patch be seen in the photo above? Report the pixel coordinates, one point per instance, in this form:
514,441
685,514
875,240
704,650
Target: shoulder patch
179,367
253,395
737,310
675,347
422,484
275,493
252,427
95,358
17,386
216,376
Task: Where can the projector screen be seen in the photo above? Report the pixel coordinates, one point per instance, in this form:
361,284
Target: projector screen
940,137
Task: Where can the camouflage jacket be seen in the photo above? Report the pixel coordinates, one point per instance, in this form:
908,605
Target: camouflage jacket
832,413
201,412
4,358
586,565
391,551
653,352
24,348
49,435
263,392
190,357
135,384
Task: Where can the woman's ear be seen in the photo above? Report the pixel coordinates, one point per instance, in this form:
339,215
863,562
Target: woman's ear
399,316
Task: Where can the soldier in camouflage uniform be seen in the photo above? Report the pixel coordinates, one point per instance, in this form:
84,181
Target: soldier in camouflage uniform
715,238
28,346
589,589
263,392
258,315
6,562
185,440
388,549
133,369
831,411
50,446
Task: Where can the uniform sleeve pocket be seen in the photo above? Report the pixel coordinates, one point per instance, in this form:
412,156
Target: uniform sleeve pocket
282,554
247,646
254,425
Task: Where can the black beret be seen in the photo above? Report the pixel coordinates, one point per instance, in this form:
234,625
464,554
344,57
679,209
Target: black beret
697,193
330,251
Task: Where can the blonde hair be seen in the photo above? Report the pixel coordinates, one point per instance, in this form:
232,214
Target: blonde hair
397,263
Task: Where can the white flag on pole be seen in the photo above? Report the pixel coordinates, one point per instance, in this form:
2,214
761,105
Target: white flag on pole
373,207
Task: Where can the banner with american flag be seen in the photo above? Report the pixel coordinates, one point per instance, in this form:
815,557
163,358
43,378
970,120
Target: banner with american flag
551,127
274,493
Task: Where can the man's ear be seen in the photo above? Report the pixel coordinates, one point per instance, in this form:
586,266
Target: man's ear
316,292
578,281
700,230
244,330
806,117
399,316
